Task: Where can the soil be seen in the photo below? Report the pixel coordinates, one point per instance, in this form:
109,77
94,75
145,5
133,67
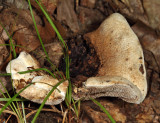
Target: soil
74,19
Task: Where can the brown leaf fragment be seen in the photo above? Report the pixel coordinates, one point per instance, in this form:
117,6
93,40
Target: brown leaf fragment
4,64
47,25
135,6
142,30
66,14
28,42
146,116
88,20
3,51
91,112
151,61
6,82
60,28
152,8
149,40
146,11
22,4
156,106
4,35
111,7
26,15
20,25
55,52
133,9
88,3
1,29
46,32
50,5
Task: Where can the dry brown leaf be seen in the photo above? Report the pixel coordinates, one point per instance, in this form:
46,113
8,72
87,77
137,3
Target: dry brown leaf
28,41
88,20
146,11
47,25
3,62
55,53
147,115
66,14
152,8
88,3
6,83
91,112
50,5
13,113
149,40
20,26
3,52
132,9
46,115
22,4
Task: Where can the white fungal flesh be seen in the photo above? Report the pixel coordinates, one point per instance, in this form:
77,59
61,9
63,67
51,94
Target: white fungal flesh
43,83
21,64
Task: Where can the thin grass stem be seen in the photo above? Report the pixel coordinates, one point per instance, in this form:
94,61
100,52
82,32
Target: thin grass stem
104,110
44,101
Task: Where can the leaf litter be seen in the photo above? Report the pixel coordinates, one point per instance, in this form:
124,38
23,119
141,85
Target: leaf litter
74,20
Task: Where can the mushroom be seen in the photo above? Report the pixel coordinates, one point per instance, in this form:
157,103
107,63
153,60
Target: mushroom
122,71
43,83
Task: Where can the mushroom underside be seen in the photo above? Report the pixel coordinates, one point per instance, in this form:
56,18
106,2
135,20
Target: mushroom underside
109,86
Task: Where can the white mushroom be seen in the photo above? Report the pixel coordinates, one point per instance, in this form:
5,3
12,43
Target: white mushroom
122,73
43,83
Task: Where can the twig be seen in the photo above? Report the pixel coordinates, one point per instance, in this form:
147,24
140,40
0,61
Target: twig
11,112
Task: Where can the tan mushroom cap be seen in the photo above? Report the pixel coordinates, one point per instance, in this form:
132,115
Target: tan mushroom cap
122,73
43,82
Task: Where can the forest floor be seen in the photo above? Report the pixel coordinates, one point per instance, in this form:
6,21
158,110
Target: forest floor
74,19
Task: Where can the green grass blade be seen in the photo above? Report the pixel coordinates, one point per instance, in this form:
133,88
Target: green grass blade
75,108
44,101
12,46
104,110
11,100
13,107
11,42
5,74
7,94
19,111
52,24
35,25
69,91
24,114
79,107
28,71
16,99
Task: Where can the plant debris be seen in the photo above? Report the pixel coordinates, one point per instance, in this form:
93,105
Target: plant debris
75,18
